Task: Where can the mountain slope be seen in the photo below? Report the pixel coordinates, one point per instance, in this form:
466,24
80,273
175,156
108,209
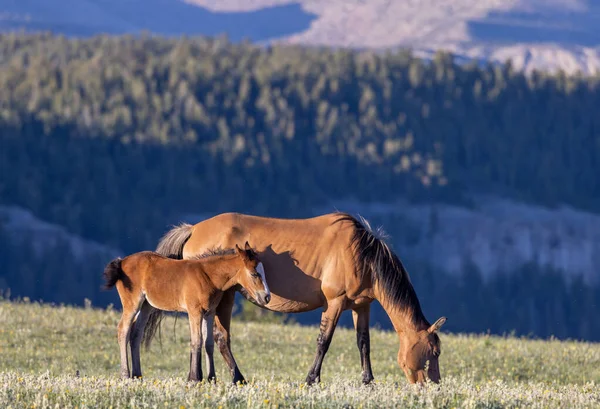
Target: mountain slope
497,236
532,33
42,260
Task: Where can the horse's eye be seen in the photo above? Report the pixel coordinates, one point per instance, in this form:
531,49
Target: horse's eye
256,275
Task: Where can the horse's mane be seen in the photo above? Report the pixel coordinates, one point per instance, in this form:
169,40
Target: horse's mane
214,252
374,256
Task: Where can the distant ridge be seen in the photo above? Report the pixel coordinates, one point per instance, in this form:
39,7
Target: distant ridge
533,34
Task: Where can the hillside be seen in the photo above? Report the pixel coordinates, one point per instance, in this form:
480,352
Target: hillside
44,261
534,34
113,139
43,347
496,235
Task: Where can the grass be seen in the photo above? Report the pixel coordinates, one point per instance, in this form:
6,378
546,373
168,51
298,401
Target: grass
43,348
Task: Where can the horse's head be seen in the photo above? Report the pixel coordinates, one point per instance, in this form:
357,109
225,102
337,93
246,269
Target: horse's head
418,348
252,276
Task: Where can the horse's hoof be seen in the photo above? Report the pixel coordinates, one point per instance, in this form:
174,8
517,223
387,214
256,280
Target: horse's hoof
312,379
239,378
240,381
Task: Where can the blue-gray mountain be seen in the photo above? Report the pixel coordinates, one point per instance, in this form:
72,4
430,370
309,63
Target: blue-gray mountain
534,34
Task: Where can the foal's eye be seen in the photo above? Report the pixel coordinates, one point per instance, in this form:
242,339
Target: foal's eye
256,275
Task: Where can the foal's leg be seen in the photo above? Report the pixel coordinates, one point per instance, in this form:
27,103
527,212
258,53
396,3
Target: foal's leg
195,318
136,338
209,345
123,337
223,335
360,316
329,320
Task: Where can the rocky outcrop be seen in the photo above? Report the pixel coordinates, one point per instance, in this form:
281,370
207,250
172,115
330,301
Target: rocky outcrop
497,236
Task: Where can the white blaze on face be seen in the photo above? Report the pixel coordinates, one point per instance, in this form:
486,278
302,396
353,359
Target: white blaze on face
261,270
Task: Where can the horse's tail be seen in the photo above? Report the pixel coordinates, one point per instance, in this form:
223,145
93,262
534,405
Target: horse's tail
170,245
113,273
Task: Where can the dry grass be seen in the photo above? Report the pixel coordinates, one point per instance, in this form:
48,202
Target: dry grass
42,348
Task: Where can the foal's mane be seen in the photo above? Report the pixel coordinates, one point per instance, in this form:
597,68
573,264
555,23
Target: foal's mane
373,256
214,252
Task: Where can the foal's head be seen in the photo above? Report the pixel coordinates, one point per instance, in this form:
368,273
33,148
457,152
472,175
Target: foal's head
252,275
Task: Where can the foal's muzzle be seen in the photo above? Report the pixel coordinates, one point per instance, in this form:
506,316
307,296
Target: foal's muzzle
263,298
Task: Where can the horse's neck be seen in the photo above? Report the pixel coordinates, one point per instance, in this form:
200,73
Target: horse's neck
405,319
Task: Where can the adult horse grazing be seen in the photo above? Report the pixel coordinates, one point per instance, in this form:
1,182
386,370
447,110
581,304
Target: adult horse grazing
147,281
332,261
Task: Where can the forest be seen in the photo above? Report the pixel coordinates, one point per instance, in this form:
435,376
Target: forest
114,137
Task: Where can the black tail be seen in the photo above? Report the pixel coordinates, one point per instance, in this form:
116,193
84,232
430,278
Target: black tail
170,245
113,273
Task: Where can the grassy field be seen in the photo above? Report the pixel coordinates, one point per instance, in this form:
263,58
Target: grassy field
42,349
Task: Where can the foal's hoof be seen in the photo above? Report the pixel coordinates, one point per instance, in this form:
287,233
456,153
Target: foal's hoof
193,379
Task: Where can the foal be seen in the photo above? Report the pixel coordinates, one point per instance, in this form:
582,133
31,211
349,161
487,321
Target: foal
147,279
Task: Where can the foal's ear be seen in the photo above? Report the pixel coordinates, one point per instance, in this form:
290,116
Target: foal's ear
244,254
247,247
436,325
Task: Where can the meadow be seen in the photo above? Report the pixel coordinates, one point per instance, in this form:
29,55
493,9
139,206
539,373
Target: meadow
65,357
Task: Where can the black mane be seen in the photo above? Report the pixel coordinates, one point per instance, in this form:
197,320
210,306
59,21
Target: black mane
214,252
374,256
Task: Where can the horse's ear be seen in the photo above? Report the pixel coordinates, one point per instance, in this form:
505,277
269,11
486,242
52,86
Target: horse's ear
436,325
238,249
247,247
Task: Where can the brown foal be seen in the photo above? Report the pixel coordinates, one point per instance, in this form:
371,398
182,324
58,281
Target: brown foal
147,281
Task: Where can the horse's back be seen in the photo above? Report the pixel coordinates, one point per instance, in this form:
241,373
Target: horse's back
228,229
306,260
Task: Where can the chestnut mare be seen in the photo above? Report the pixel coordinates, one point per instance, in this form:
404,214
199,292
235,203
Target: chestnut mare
147,281
334,261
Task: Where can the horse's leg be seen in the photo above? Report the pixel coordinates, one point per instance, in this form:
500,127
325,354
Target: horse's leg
360,316
209,345
329,320
195,373
223,335
123,337
137,331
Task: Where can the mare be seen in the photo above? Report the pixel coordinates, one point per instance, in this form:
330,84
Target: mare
147,281
335,262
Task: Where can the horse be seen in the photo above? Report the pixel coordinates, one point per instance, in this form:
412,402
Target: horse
333,261
149,281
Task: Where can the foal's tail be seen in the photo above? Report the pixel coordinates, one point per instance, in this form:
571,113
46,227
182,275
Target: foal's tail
113,273
170,245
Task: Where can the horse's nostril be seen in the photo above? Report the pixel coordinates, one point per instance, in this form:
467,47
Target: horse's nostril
267,298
